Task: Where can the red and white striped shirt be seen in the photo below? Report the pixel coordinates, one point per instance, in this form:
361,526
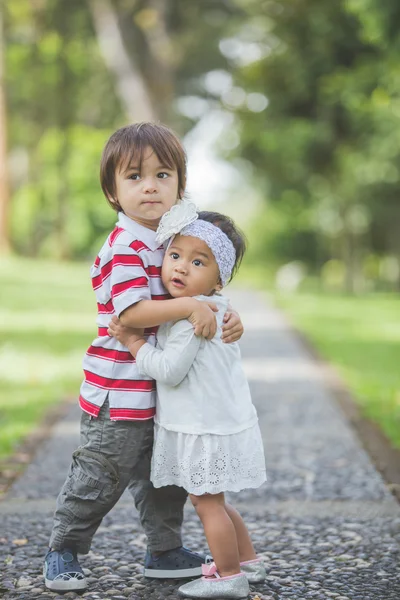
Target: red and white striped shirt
127,270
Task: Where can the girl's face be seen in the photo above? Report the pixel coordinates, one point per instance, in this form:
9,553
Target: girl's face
189,268
145,192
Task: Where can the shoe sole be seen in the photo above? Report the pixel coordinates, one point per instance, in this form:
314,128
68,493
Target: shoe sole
59,585
256,580
172,573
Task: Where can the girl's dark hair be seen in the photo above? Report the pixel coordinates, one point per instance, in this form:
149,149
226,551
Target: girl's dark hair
236,236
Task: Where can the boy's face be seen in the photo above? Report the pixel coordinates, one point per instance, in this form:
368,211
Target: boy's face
145,192
189,268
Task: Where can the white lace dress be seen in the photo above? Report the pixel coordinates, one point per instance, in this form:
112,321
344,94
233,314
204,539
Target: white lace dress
207,438
208,463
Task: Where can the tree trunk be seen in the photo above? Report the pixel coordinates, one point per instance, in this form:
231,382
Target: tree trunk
131,87
61,224
4,184
158,57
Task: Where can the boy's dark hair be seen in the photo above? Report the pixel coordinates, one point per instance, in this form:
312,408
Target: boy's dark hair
236,236
128,144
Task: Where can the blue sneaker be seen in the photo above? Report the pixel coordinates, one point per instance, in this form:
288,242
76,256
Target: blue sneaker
174,564
62,571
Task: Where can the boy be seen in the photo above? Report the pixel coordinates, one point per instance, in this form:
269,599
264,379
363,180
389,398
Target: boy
143,174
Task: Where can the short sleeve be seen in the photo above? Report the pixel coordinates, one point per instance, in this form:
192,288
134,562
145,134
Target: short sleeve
129,281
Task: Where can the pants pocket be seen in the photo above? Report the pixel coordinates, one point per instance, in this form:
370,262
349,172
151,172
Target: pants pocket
92,486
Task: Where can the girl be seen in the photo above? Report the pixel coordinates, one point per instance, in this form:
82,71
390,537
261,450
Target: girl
207,438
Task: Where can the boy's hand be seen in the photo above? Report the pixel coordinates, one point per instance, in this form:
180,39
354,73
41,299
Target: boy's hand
233,330
203,319
125,335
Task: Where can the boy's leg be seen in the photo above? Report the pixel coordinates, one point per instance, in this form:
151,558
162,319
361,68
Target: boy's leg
161,513
101,469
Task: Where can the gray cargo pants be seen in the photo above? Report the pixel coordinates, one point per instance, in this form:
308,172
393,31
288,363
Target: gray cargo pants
112,456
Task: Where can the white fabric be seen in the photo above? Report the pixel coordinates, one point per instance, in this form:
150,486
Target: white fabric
207,438
220,245
181,214
201,386
139,232
208,463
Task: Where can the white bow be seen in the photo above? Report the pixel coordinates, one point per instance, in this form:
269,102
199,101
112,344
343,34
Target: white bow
179,216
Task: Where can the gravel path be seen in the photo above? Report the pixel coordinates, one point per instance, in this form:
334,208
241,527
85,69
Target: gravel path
324,522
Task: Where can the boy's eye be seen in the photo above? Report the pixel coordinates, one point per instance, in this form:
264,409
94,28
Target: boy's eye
163,175
134,176
174,255
197,262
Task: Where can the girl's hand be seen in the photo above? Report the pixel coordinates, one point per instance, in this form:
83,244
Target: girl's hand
203,319
233,330
125,335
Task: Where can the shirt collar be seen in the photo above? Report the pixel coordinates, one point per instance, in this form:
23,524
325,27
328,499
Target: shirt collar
145,235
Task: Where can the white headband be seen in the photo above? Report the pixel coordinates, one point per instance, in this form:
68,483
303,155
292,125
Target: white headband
183,218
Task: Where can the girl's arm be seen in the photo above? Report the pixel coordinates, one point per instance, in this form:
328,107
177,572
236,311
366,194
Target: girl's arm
150,313
170,365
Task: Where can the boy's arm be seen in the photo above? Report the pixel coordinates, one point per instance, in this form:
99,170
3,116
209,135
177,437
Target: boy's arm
232,330
169,365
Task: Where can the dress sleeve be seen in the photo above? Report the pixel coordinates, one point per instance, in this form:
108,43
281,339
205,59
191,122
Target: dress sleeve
172,364
128,279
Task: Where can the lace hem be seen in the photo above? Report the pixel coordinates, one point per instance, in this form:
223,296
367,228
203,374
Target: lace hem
207,489
208,463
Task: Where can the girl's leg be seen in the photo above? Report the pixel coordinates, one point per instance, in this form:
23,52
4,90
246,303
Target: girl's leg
220,532
245,545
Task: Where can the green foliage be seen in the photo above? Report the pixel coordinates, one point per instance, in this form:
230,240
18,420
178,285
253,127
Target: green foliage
64,106
89,217
361,337
45,332
316,96
329,135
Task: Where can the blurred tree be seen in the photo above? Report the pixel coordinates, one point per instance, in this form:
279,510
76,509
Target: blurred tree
318,114
56,79
314,87
4,188
91,65
156,50
131,86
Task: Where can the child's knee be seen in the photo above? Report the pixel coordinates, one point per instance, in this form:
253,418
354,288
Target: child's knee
207,502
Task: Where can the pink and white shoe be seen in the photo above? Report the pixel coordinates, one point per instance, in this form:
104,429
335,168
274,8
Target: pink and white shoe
212,585
254,570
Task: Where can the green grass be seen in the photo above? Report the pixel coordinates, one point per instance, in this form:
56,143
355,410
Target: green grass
47,311
361,337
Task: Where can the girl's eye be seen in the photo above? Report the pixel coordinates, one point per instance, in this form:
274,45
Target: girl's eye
163,175
134,176
174,255
197,262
